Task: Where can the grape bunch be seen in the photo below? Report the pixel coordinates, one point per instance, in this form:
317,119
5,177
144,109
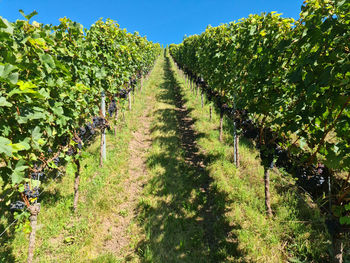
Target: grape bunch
112,107
82,131
100,122
132,82
71,151
224,107
89,128
84,135
283,158
18,205
56,161
37,175
210,96
123,94
31,194
230,111
249,129
65,141
86,132
311,180
79,142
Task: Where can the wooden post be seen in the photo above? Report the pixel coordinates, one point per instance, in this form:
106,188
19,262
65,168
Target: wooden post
129,99
235,137
141,84
221,124
76,185
237,150
267,192
34,211
115,120
202,99
103,134
210,112
338,249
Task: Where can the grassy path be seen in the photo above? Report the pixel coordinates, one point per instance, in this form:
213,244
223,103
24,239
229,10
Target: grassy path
182,214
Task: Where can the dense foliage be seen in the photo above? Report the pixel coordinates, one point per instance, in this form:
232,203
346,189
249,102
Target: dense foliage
51,80
293,79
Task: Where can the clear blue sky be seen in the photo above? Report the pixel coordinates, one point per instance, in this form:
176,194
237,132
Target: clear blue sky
161,21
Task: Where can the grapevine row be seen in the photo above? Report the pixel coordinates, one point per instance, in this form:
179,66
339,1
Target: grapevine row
51,80
286,84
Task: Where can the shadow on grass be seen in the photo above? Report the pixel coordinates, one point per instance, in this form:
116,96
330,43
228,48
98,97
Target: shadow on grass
188,222
6,251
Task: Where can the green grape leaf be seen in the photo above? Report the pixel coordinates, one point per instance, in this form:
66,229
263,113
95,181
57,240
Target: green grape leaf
5,146
4,102
344,220
18,174
47,61
28,17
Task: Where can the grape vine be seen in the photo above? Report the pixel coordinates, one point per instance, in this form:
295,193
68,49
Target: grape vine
288,84
51,80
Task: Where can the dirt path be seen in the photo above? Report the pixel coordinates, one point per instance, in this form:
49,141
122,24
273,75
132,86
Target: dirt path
123,228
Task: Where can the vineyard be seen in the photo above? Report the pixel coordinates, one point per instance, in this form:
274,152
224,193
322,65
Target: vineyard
232,146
